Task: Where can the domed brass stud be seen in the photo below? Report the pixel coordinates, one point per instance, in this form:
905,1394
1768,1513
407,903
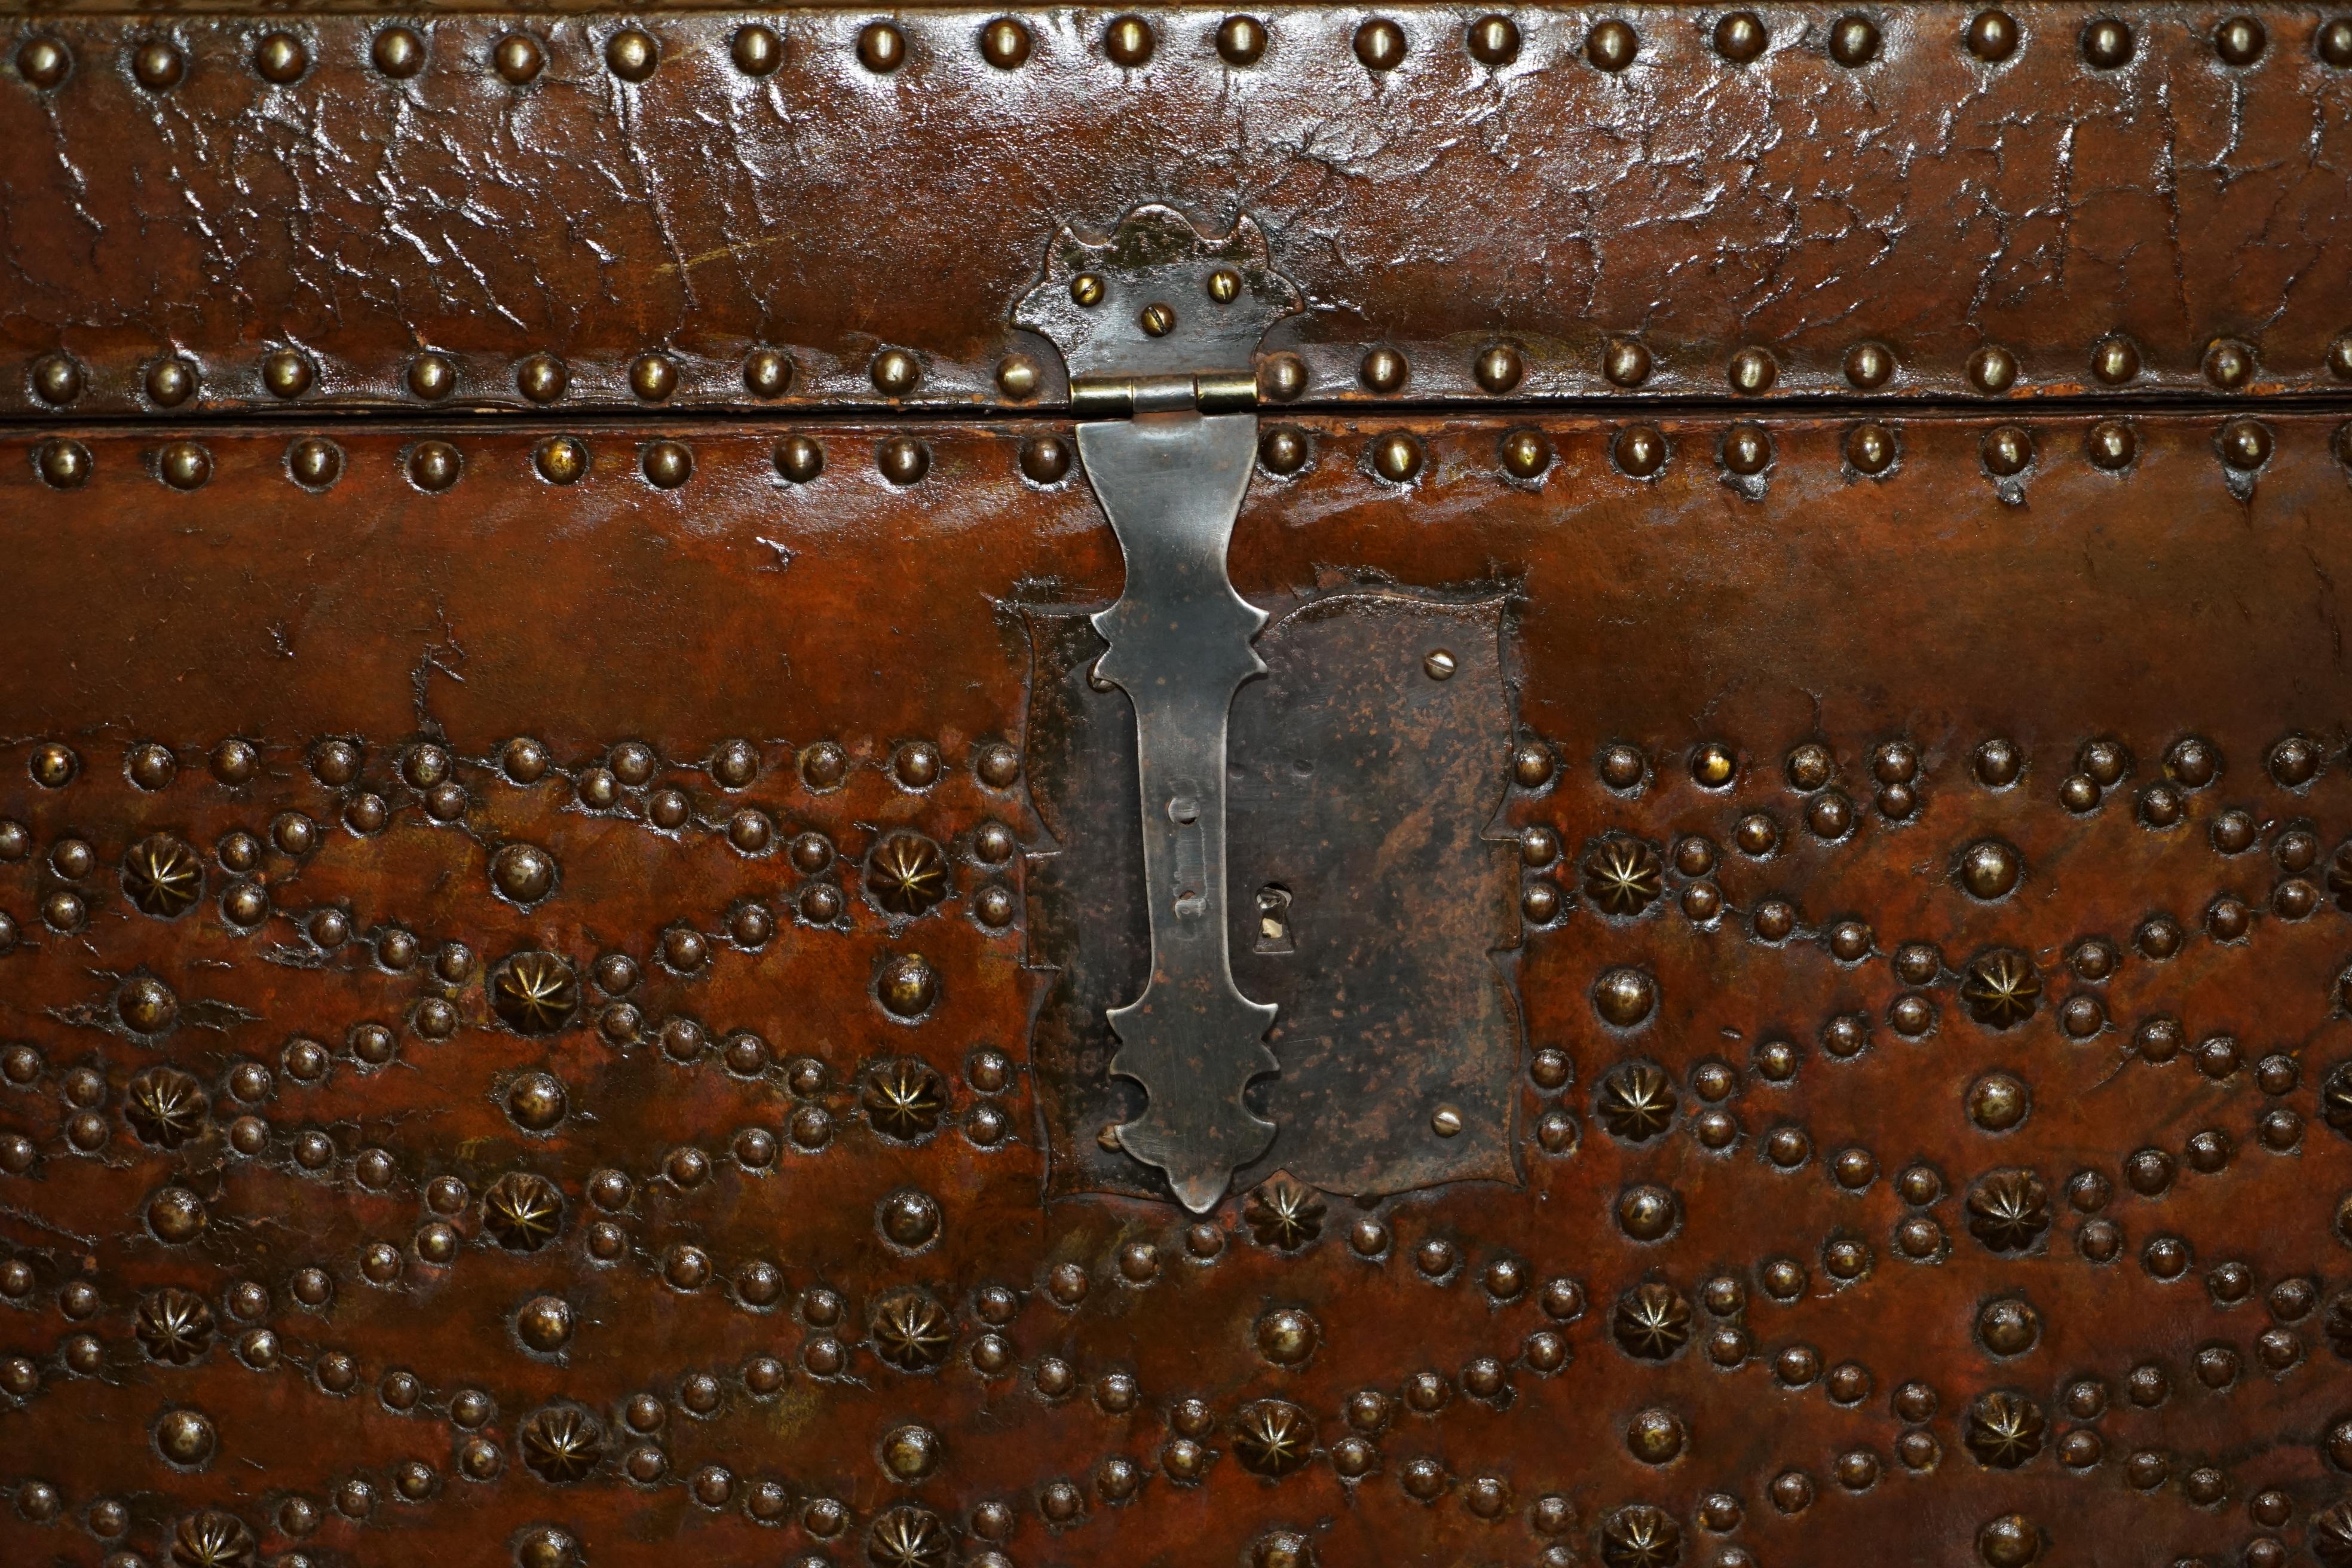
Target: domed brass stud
756,50
907,986
57,379
2245,444
1017,377
1869,366
1241,40
2335,43
902,460
667,464
432,377
652,377
1639,450
895,373
517,56
1281,378
1383,371
159,65
1870,449
1612,46
1752,370
2110,444
170,382
281,57
631,54
2007,449
1494,40
1005,44
561,460
1992,35
767,373
800,458
287,373
1740,37
398,53
183,465
1526,454
314,463
63,465
1396,457
1129,41
542,378
43,62
434,465
881,48
2106,43
1746,450
1283,450
2239,40
1625,362
2229,363
1499,368
236,761
1380,45
2115,362
1045,459
1992,369
1853,41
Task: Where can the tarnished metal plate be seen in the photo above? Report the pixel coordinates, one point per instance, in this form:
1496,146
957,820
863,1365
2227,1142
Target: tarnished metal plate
2037,1247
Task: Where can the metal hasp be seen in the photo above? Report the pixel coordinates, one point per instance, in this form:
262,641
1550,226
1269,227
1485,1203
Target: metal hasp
1160,321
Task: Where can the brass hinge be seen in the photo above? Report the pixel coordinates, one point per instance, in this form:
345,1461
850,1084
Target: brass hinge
1124,396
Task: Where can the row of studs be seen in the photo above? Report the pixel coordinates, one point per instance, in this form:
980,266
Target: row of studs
1639,451
1740,38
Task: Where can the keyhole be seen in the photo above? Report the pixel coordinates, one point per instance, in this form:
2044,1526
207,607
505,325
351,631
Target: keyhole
1273,919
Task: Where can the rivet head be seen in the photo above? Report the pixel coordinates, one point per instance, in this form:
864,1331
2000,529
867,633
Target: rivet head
287,373
1383,371
2115,360
562,460
1853,41
434,465
881,48
314,463
1045,459
2007,450
1017,376
159,65
1870,449
1625,362
895,373
1396,457
53,765
667,464
1281,378
2106,43
517,56
1494,40
1752,370
170,382
631,54
1283,450
652,377
2245,443
542,378
1005,44
43,62
2229,363
281,57
756,50
1157,319
57,379
1739,36
767,373
432,377
63,465
1380,44
2110,444
1612,46
1526,454
907,987
183,465
2239,41
1992,35
1746,450
1868,366
1241,40
800,458
1499,367
1640,450
1127,41
902,460
1992,369
398,53
2335,42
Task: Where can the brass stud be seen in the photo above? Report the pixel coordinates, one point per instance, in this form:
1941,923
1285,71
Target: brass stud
1017,376
169,381
1241,40
1087,290
183,465
631,54
756,50
1992,369
1625,362
666,464
1127,41
2335,43
2110,444
1870,449
2115,360
288,374
902,460
1740,37
2007,449
434,465
561,460
542,378
800,458
159,65
2339,357
1283,450
1396,458
2239,40
431,376
1005,44
1526,454
2343,445
2106,43
881,48
1224,286
2245,444
1281,378
1853,41
1640,450
398,53
1500,367
652,377
1045,459
1157,319
517,56
1869,366
1380,44
53,765
2229,363
1992,37
1494,40
895,373
1612,46
281,57
43,62
314,463
63,465
1383,371
1746,450
1753,371
767,373
57,379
